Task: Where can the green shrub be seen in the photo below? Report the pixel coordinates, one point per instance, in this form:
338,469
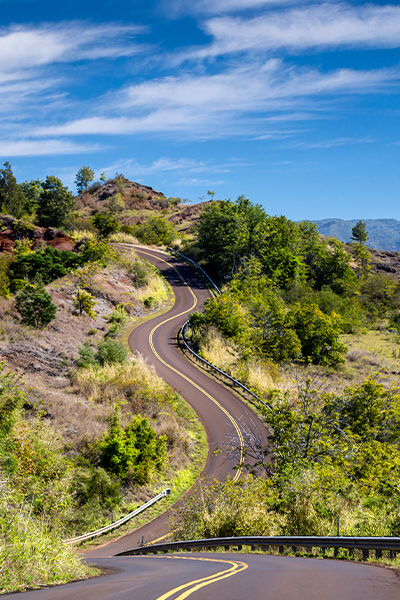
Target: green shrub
86,355
110,351
35,305
106,224
139,274
156,230
49,263
135,453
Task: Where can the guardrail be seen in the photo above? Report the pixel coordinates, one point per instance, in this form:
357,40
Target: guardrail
216,369
197,267
92,534
365,544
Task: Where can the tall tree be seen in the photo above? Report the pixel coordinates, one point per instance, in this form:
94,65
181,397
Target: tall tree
359,232
55,203
12,198
84,176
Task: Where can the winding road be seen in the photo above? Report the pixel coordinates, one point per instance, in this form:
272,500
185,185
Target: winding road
222,576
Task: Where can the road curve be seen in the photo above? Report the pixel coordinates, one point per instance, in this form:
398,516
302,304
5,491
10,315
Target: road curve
221,576
227,576
217,407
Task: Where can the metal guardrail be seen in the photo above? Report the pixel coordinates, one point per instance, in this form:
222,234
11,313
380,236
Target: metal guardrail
197,267
216,369
391,544
92,534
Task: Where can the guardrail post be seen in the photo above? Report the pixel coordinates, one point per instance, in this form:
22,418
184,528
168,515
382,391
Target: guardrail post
281,549
393,554
265,548
322,550
351,552
378,553
226,548
335,552
240,547
365,553
294,549
252,547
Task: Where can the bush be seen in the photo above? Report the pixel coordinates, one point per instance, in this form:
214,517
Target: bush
156,231
49,263
35,305
110,351
318,334
97,251
84,302
134,453
106,224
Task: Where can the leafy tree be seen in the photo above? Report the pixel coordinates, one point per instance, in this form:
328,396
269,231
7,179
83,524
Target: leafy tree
84,302
55,203
156,230
12,198
35,305
103,177
106,224
318,334
359,232
32,190
84,176
135,453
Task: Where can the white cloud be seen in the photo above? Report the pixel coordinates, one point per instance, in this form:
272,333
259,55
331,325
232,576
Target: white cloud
164,164
43,148
23,47
234,101
298,29
213,7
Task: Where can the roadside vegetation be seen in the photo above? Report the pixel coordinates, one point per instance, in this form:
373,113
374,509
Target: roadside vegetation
306,325
87,431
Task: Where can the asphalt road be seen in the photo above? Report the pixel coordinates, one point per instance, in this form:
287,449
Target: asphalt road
218,408
229,577
220,576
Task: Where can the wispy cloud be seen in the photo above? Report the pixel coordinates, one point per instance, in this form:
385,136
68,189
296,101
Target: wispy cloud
164,164
334,143
44,148
231,102
213,7
23,47
297,29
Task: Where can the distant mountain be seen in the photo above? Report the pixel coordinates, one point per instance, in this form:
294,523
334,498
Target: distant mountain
383,234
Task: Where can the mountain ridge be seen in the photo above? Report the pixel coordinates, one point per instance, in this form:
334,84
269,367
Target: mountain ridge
383,234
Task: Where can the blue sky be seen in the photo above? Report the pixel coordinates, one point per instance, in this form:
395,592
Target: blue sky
293,104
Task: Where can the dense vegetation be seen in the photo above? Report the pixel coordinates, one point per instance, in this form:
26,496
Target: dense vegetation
288,296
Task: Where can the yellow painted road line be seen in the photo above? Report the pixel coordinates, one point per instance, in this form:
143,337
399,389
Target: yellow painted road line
232,420
195,585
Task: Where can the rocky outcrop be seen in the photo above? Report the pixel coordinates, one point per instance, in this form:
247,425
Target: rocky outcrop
12,229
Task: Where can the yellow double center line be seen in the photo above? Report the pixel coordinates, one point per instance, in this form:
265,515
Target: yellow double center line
195,585
232,420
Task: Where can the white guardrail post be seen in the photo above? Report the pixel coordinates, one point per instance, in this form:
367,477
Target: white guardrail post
120,522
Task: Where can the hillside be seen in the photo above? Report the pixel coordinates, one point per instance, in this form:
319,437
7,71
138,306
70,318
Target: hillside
383,234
